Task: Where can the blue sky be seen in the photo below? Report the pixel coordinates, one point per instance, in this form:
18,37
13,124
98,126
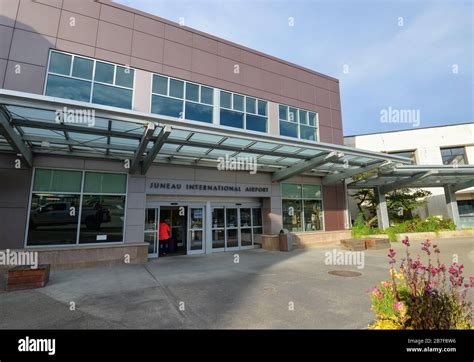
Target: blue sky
407,67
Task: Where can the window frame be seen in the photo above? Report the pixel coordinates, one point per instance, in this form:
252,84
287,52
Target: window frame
92,80
244,111
81,194
184,99
298,122
301,200
441,149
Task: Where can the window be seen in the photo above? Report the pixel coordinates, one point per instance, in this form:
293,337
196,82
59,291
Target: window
232,118
83,68
251,105
89,80
454,156
243,112
302,207
466,207
104,73
177,98
298,123
167,106
76,207
407,154
192,92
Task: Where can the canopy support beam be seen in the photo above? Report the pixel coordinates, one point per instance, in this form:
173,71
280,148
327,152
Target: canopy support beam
304,166
159,142
147,135
452,205
13,138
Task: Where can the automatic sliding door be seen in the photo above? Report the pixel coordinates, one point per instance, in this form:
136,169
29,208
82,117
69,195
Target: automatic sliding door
218,228
151,231
196,230
232,228
245,227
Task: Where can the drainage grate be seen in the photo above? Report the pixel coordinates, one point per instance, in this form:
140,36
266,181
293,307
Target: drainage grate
345,273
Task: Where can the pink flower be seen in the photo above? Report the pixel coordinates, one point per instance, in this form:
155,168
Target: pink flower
398,306
406,241
391,256
385,284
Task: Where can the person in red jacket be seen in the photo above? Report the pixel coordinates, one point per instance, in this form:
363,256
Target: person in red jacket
164,236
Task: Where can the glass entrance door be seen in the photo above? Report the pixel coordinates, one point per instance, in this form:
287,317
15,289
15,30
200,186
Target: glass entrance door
151,231
232,228
196,230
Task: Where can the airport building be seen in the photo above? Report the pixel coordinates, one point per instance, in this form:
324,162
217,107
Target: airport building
451,145
113,120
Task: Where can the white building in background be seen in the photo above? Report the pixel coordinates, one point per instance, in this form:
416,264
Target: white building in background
448,145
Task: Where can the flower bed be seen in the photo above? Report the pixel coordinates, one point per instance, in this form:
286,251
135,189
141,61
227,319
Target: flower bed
422,296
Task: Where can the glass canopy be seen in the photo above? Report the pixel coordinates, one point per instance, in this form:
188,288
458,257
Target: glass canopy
41,124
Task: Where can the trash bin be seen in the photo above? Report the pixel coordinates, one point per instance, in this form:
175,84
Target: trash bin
285,241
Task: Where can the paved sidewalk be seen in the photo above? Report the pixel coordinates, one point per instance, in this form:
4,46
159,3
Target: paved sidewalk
257,292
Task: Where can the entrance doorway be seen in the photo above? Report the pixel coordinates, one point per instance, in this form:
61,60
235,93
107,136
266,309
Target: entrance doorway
236,226
186,229
175,218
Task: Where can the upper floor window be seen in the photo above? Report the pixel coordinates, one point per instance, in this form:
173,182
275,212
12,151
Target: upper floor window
298,123
407,154
243,112
88,80
181,99
454,156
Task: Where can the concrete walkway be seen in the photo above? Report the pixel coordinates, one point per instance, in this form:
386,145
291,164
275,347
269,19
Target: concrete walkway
212,291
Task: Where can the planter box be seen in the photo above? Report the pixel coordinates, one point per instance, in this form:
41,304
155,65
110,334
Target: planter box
377,243
23,277
365,243
271,242
430,235
353,244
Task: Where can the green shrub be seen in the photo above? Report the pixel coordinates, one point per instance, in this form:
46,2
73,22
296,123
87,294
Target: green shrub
360,228
415,225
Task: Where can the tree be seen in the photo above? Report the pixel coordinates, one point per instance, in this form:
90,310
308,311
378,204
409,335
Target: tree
400,203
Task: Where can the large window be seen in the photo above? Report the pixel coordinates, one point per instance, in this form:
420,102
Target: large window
243,112
88,80
76,207
454,156
298,123
177,98
302,207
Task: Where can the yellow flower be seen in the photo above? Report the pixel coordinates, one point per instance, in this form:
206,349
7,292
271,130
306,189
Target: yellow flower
396,275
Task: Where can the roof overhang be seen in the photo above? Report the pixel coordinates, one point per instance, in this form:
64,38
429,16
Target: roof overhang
458,177
145,138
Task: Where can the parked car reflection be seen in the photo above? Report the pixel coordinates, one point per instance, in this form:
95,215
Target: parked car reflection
64,213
